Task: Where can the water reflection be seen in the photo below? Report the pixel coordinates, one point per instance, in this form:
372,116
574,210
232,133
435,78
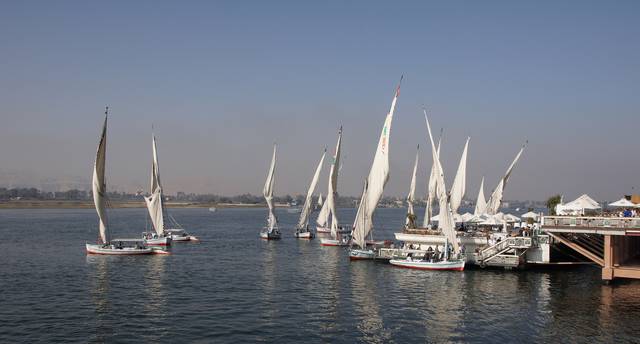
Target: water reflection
370,324
328,263
155,304
269,253
99,290
434,299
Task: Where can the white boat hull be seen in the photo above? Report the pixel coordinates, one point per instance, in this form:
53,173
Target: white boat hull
270,236
323,230
304,235
112,250
359,254
451,265
333,242
162,241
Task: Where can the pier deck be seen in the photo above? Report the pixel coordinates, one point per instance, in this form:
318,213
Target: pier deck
613,243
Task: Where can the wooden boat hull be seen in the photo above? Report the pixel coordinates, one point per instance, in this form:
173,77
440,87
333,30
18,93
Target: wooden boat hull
451,265
111,250
359,254
304,235
270,236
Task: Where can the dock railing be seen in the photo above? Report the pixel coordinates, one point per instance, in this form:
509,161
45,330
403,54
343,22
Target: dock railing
504,245
591,222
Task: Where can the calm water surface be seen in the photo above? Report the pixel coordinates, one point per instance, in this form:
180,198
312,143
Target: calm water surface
234,288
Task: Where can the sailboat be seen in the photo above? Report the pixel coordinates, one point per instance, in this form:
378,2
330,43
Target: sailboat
155,205
373,189
327,219
163,236
458,187
99,188
320,202
452,258
302,229
270,232
481,204
431,190
495,200
410,221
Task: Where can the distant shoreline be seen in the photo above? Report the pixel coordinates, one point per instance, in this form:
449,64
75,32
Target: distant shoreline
51,204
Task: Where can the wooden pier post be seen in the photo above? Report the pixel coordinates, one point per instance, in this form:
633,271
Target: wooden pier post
607,269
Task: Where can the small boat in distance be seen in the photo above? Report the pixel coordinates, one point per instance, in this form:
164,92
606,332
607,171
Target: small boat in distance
302,229
213,209
270,232
99,188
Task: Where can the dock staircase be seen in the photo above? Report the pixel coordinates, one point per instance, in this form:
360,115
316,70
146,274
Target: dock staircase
515,246
589,245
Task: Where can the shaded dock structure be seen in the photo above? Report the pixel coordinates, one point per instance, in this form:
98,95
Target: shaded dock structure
613,243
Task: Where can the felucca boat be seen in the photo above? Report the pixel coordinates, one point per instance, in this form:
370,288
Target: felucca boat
155,205
431,191
327,219
373,189
452,259
302,229
162,236
99,188
410,221
270,232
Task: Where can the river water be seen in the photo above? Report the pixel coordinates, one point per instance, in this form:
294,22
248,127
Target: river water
235,288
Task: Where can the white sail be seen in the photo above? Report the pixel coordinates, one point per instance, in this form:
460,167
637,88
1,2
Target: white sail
459,182
323,216
431,191
481,204
493,204
332,193
377,179
99,185
360,222
303,222
154,201
411,197
446,222
267,192
320,202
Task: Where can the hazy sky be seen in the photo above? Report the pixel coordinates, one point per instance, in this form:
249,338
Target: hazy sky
222,80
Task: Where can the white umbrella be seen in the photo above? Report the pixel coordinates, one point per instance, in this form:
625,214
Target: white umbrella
530,215
623,203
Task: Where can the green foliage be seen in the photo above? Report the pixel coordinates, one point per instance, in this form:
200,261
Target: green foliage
552,202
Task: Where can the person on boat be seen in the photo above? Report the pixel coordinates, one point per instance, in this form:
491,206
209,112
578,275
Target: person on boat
436,254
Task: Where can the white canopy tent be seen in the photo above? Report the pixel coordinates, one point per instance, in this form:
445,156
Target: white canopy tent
466,217
624,203
530,215
577,206
492,220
